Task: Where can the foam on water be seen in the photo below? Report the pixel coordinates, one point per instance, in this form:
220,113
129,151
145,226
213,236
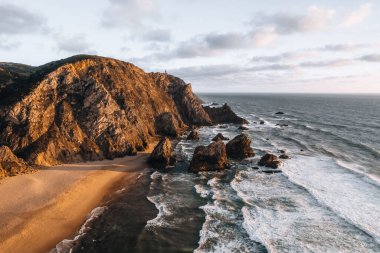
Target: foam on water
66,245
285,218
349,194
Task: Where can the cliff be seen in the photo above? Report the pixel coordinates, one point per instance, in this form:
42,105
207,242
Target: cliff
90,108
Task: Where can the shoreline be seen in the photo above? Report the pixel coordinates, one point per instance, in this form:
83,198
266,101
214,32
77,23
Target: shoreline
52,204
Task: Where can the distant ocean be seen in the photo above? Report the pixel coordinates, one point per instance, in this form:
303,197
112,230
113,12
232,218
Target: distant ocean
326,200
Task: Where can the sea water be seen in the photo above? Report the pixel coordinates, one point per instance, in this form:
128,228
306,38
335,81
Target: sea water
327,198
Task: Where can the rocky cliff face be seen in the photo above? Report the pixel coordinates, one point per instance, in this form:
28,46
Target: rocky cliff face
10,164
88,108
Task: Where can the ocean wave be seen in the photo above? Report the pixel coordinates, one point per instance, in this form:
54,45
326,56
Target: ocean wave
67,245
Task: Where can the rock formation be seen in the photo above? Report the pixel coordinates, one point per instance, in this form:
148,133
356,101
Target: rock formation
219,137
89,107
239,147
162,155
210,158
269,160
224,114
193,135
11,165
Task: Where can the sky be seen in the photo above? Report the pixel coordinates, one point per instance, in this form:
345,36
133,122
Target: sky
239,46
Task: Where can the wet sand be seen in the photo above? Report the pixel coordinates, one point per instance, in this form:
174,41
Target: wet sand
39,210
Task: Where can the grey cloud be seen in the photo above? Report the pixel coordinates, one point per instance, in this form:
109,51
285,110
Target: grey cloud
226,40
344,47
16,20
74,44
158,35
315,19
5,45
370,58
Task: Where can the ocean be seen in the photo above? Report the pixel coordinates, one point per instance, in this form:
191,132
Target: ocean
327,198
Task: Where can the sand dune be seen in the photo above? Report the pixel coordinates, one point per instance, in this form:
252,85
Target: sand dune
39,210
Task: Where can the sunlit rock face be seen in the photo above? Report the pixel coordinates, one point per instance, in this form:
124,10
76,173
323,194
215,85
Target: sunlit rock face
90,108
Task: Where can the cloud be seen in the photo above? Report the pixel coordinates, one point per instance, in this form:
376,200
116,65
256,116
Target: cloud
344,47
132,14
357,16
74,44
315,19
16,20
370,58
6,45
287,56
158,35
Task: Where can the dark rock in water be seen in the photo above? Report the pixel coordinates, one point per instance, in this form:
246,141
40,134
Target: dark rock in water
224,114
214,103
283,156
223,126
239,147
219,137
254,122
162,155
255,168
243,128
194,135
267,139
302,150
11,165
270,171
262,122
210,158
282,125
166,124
282,151
269,160
279,113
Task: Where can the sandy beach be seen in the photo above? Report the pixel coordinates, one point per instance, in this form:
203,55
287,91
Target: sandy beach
39,210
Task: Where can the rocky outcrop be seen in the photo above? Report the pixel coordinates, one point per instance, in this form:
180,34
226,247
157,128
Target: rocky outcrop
167,124
162,155
279,113
284,156
210,158
11,165
224,114
239,147
244,128
219,137
89,108
269,160
193,135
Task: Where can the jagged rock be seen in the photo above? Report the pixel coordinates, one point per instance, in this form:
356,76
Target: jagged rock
270,171
224,114
210,158
11,165
219,137
89,108
239,147
243,128
193,135
167,124
223,126
255,168
162,155
283,156
269,160
279,113
262,122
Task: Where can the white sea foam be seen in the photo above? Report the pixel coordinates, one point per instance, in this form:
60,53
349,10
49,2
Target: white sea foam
353,198
66,245
285,218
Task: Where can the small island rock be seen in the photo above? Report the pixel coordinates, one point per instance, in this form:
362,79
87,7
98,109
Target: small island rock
219,137
239,147
210,158
194,135
162,155
269,160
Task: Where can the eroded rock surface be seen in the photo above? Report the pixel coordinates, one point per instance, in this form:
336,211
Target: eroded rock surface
193,135
224,114
162,155
89,108
269,160
239,147
11,165
209,158
219,137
